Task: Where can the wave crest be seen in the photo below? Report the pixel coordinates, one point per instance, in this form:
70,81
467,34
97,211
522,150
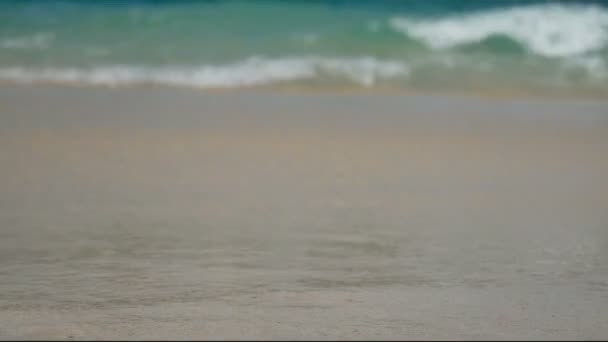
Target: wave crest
546,30
253,71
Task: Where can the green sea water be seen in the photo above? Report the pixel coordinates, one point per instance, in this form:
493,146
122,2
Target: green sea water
365,44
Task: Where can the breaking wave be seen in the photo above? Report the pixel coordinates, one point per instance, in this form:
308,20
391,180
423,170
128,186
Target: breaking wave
547,30
253,71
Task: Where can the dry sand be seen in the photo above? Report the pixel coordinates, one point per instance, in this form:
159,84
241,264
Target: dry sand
176,214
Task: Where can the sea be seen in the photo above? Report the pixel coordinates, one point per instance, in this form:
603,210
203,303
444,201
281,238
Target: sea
364,44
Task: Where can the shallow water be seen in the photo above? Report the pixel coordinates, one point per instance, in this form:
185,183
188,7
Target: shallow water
534,45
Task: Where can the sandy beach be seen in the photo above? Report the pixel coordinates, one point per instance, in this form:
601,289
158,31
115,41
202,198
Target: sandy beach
154,213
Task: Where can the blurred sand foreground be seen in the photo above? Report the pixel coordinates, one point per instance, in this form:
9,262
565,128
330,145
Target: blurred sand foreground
179,214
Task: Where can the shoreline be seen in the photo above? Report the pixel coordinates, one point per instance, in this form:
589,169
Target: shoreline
511,93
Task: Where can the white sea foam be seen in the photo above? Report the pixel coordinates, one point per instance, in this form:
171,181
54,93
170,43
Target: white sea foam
253,71
38,41
551,30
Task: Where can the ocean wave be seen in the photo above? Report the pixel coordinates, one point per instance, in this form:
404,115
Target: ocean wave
253,71
437,69
550,30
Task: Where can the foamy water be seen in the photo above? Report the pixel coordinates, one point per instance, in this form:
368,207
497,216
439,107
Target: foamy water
547,45
253,71
544,30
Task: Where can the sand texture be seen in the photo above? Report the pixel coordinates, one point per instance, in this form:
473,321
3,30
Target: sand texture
178,214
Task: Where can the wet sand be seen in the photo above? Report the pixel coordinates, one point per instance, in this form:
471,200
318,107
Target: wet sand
178,214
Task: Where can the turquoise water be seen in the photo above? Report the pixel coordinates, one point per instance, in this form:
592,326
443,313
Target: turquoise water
399,43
